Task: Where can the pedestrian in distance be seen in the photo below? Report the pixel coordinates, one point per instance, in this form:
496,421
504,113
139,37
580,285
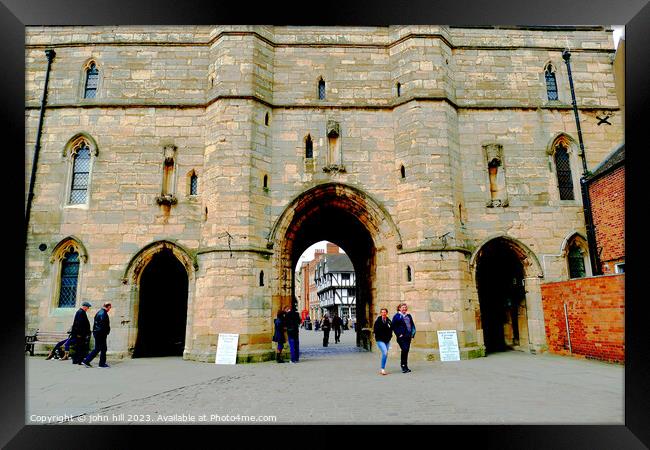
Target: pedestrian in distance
80,334
326,326
278,335
316,325
292,323
336,326
345,323
404,329
101,329
383,330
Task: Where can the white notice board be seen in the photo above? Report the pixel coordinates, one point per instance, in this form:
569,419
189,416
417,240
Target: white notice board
448,344
227,348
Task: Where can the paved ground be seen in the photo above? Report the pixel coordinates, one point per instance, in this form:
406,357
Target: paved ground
339,384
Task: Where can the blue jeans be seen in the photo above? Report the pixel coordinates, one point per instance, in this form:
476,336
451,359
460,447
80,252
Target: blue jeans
294,347
384,347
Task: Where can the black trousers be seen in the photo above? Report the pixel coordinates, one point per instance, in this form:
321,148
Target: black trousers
337,334
100,347
326,337
80,345
404,344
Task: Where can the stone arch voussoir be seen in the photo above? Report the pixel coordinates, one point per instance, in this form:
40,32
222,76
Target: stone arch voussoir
371,212
140,260
531,265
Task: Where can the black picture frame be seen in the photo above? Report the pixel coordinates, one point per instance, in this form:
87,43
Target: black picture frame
16,14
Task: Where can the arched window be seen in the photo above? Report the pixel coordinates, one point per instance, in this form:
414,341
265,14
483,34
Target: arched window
194,184
321,89
409,275
309,147
69,278
80,175
69,255
266,119
576,262
262,278
402,171
563,172
92,80
576,252
399,89
551,84
266,182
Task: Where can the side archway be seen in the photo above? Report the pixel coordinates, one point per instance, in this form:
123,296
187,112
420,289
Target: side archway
160,279
507,277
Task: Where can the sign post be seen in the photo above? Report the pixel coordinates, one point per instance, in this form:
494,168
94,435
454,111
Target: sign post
227,348
448,345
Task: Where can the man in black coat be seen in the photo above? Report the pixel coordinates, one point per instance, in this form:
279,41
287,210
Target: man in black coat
292,322
336,325
80,333
101,329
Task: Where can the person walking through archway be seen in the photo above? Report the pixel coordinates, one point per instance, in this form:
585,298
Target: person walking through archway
336,326
326,326
383,330
278,335
404,329
292,322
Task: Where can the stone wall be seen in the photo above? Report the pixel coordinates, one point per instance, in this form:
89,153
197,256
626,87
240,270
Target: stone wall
208,90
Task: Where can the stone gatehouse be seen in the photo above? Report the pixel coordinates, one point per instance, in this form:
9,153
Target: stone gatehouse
183,171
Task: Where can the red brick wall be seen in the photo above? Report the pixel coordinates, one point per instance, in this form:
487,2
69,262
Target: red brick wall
596,310
608,209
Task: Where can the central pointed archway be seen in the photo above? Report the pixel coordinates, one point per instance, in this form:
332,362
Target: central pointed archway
355,222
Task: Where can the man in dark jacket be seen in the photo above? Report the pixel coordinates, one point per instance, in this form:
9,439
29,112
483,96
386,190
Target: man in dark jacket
336,326
80,334
292,322
404,329
101,329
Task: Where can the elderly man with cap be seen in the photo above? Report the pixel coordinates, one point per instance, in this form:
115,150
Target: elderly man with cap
80,333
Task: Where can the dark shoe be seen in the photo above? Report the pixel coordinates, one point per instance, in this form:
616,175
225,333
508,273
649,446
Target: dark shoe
406,370
84,363
104,366
278,358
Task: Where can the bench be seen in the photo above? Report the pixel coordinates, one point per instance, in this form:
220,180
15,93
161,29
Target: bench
43,337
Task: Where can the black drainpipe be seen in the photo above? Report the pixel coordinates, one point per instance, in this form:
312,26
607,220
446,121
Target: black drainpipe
584,186
37,147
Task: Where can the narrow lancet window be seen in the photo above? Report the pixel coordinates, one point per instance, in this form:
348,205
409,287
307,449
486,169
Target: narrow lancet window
321,89
194,184
92,80
80,176
563,172
69,277
309,147
551,84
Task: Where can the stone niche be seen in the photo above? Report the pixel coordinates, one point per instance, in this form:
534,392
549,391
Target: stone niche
334,162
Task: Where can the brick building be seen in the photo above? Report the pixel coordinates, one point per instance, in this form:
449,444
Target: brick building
186,169
607,193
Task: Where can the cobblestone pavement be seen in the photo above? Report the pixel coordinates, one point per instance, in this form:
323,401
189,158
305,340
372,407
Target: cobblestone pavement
338,384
